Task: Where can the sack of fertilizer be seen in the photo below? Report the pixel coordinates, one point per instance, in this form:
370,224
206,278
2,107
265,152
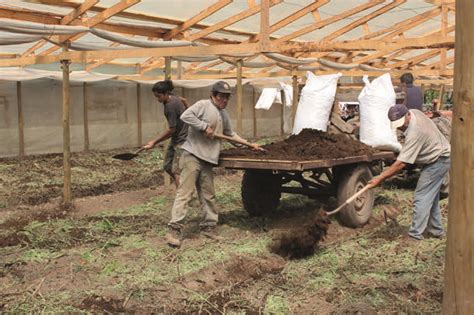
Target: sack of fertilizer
316,102
374,102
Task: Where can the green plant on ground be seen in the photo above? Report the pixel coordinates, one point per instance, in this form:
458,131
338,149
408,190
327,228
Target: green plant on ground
276,305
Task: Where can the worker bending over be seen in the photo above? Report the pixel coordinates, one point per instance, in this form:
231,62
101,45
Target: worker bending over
426,146
200,153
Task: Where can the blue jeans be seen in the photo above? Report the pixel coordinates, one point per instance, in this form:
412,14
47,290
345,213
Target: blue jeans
426,213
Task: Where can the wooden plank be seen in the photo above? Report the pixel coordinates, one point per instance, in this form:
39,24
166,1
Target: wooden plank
439,105
197,18
325,22
85,112
139,116
27,15
254,110
282,113
67,191
239,97
96,19
294,105
21,121
458,295
363,20
264,25
229,21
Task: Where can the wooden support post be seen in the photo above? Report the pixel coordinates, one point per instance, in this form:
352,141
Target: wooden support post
239,97
167,68
86,117
458,297
265,25
180,70
167,179
423,90
139,116
439,105
295,98
282,113
254,113
21,121
67,197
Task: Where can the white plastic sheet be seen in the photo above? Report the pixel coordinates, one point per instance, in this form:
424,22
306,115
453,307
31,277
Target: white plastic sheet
375,100
316,102
266,99
288,93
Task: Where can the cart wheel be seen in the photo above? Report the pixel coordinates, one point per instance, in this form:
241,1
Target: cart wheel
358,212
260,192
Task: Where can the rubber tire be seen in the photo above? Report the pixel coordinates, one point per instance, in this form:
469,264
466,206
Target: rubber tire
260,192
358,212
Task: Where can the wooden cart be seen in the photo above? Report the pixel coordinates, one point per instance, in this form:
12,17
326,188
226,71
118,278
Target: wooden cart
265,180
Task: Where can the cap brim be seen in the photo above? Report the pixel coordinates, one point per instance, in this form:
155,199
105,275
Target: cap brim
397,123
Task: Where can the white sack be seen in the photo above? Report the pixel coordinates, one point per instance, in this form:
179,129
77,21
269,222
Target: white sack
267,98
316,102
375,100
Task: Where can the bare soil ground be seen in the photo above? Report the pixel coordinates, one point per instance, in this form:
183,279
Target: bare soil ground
107,252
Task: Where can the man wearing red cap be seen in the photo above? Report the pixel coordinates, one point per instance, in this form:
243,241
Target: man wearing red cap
424,145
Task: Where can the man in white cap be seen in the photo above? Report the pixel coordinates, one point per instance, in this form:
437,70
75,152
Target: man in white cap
200,153
426,146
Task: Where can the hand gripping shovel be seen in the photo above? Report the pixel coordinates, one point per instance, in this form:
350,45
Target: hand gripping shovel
127,156
224,137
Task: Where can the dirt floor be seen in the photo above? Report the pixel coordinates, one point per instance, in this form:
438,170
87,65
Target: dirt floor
107,252
309,144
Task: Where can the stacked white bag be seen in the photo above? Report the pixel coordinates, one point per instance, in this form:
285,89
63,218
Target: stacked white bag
375,100
316,102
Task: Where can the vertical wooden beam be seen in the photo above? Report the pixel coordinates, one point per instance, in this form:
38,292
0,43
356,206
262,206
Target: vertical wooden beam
239,97
167,179
254,113
85,117
180,70
282,112
458,297
21,121
444,27
139,116
67,196
439,104
167,68
265,25
295,97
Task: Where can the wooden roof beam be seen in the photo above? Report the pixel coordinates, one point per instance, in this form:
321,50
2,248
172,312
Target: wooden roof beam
363,20
197,18
328,21
96,19
229,21
67,19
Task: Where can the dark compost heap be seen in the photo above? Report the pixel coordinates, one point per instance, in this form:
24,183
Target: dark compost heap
309,144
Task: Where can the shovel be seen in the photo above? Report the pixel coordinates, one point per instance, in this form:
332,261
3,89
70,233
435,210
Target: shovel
349,200
127,156
243,142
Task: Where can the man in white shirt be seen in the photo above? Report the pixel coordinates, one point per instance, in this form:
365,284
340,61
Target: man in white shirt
426,146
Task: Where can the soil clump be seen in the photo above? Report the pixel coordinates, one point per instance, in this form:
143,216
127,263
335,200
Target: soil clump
302,242
309,144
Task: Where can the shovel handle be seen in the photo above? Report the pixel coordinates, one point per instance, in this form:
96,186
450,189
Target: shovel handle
140,150
224,137
349,200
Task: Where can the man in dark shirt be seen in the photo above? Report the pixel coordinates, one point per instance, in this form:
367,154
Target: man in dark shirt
413,94
177,129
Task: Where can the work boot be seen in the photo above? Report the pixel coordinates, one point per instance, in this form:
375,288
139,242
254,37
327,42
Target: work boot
173,237
211,232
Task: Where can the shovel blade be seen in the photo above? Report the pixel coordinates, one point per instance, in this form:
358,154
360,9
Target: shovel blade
125,156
